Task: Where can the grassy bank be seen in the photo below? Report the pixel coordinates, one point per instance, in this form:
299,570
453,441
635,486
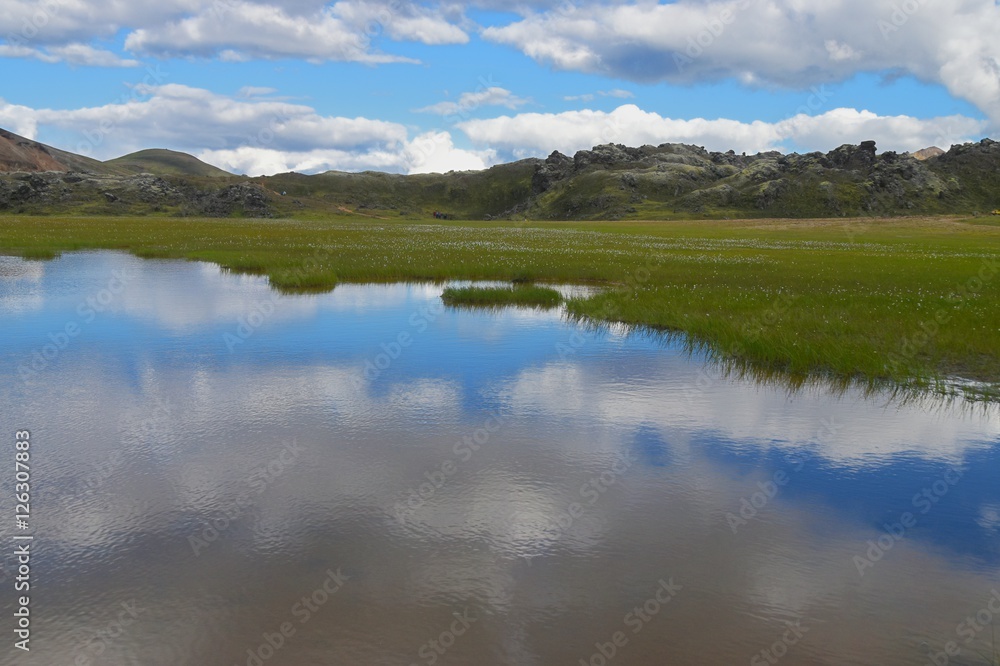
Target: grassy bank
879,300
526,295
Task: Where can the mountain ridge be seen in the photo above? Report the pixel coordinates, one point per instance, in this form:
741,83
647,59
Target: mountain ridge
610,181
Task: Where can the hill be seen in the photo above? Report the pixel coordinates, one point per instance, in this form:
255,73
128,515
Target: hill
166,163
927,153
20,154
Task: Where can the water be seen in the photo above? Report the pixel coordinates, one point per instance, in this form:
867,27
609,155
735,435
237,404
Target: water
222,475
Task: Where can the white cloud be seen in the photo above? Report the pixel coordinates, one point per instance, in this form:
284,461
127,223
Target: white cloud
589,97
432,152
82,54
62,22
402,21
73,54
257,161
189,118
771,42
231,30
492,96
899,133
537,134
753,417
249,30
18,119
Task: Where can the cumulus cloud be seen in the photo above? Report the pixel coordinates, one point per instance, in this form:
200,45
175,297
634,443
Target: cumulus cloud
230,30
536,134
435,152
62,22
73,54
771,42
245,133
467,102
245,30
18,119
899,133
193,118
432,152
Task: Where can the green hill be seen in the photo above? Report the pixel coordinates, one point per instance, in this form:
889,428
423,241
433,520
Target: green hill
162,162
494,192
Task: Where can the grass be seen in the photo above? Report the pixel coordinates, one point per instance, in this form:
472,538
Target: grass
904,302
303,281
519,294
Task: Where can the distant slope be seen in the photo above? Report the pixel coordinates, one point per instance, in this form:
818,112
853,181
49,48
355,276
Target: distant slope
927,153
20,154
166,163
498,191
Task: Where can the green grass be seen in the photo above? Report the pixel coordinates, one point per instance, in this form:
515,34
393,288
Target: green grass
522,294
303,281
851,300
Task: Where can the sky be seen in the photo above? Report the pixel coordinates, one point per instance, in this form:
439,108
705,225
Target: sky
269,86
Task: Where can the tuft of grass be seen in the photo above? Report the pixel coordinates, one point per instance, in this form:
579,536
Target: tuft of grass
296,280
523,277
525,295
39,254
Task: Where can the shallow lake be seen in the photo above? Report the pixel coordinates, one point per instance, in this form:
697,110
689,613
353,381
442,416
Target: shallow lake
223,475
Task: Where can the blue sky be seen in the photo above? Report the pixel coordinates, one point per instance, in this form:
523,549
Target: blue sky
261,86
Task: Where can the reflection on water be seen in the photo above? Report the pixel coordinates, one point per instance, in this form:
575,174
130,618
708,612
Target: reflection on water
225,475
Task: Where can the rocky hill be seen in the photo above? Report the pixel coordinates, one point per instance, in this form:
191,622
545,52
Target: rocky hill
613,181
20,154
927,153
607,182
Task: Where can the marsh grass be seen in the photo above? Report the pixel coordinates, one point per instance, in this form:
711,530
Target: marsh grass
302,280
40,254
519,294
850,301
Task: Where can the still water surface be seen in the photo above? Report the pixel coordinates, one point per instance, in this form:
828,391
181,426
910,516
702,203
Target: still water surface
223,476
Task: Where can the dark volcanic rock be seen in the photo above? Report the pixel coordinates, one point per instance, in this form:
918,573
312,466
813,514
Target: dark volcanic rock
608,155
153,189
859,158
556,167
23,189
247,198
